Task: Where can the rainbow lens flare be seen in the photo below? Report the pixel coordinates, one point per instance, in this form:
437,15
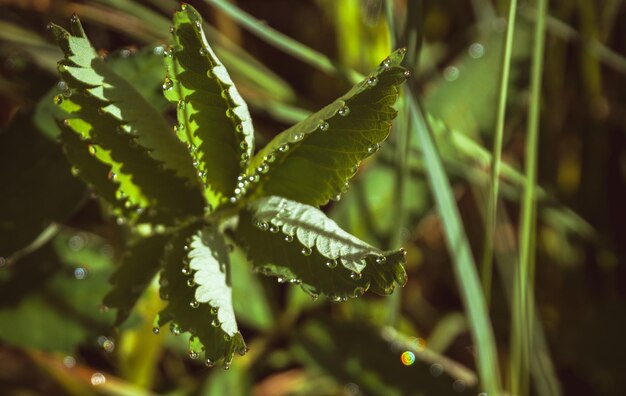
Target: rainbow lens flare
407,358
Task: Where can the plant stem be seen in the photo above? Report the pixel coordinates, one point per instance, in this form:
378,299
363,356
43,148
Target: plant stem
496,159
460,253
522,325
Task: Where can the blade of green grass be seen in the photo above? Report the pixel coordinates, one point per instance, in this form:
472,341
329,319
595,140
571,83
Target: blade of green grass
496,159
284,42
461,255
542,368
522,326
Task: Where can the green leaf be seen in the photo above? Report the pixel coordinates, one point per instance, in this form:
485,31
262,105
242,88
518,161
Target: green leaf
201,303
312,161
93,172
141,261
213,117
150,166
298,243
143,68
37,186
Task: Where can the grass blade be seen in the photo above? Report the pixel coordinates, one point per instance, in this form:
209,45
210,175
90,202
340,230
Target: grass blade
496,159
522,326
460,252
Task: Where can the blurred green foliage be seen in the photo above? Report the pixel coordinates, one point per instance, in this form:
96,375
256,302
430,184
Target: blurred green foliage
50,228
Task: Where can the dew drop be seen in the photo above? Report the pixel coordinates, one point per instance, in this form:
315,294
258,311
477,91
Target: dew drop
203,51
92,149
215,322
243,145
372,81
263,168
451,73
306,251
175,328
358,292
75,171
226,365
242,351
436,370
476,50
230,113
335,298
407,73
324,126
58,99
172,29
191,282
80,273
355,276
274,229
283,148
163,295
112,176
209,363
262,225
381,260
98,379
61,67
387,63
167,84
373,148
186,270
331,263
297,137
193,354
239,128
181,105
280,279
296,281
194,304
344,111
214,310
226,337
156,330
288,238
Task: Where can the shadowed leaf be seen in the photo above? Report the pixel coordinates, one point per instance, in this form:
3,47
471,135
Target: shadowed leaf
299,244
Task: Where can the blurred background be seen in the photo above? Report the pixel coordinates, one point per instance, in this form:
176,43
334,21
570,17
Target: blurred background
58,245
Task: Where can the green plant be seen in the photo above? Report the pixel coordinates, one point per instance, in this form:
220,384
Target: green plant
185,195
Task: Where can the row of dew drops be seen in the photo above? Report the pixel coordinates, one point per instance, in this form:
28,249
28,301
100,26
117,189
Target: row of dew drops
176,329
230,113
245,182
331,263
